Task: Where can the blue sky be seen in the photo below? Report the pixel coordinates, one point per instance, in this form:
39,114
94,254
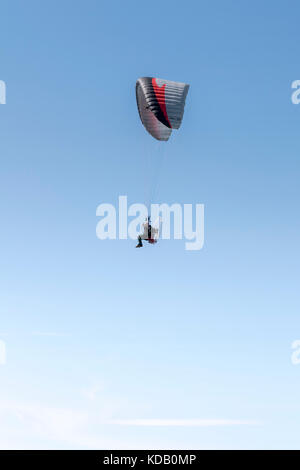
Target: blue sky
99,335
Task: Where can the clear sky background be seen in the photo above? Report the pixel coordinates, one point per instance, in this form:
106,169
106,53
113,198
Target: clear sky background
98,334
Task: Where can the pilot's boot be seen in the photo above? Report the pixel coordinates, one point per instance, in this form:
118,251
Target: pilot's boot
140,244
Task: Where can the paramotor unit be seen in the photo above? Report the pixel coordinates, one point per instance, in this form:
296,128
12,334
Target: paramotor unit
161,107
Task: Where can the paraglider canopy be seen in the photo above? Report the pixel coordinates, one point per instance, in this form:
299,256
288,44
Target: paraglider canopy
161,105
